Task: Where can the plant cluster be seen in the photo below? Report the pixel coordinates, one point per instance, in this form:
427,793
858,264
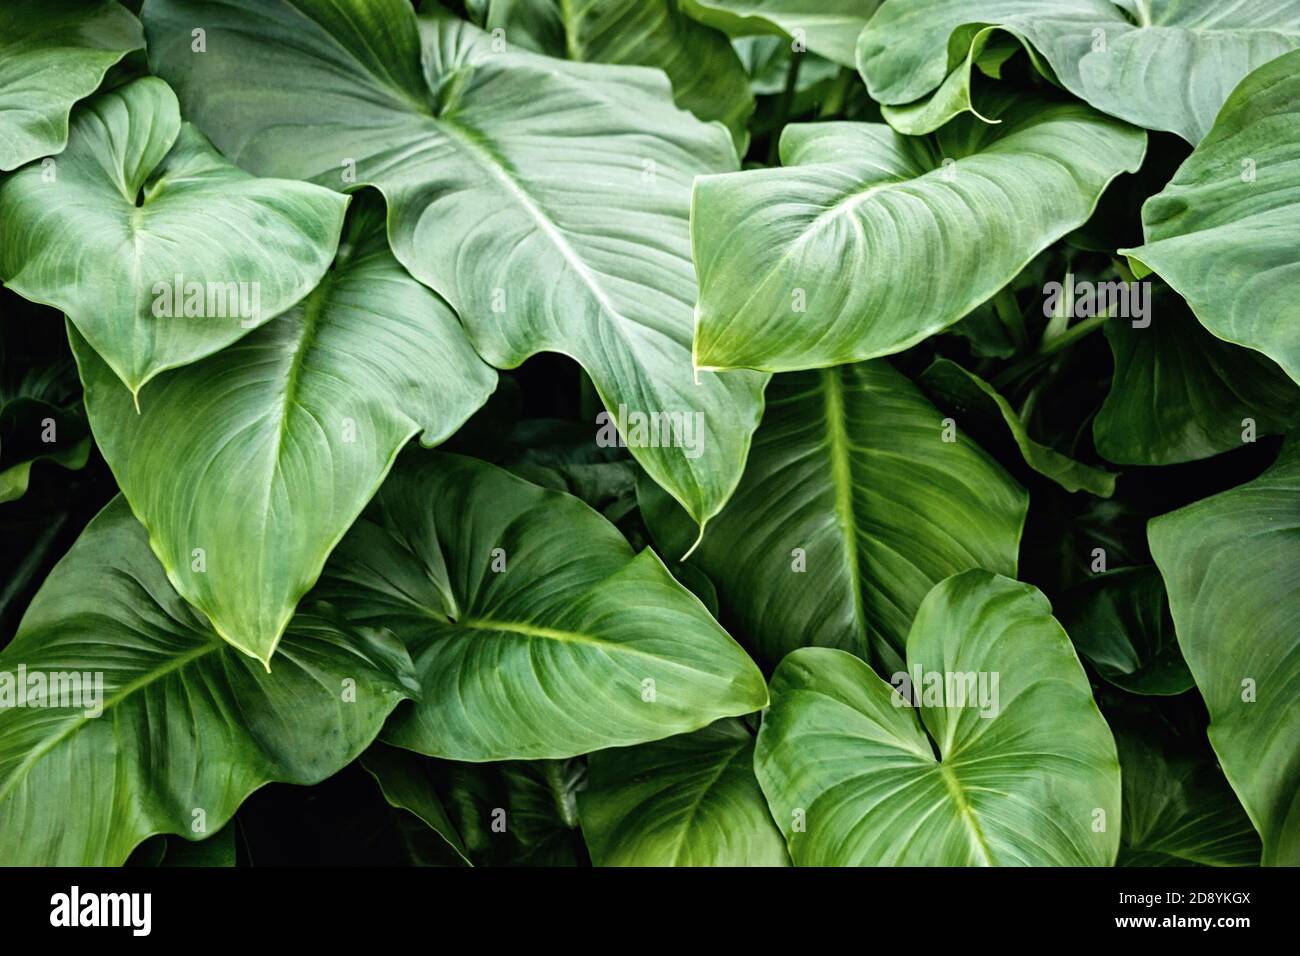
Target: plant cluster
650,432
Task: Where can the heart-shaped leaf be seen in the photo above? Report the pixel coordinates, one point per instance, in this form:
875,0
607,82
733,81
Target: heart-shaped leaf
1161,64
122,714
690,800
827,27
536,631
982,410
1018,767
546,201
1226,230
867,242
131,234
853,505
1231,564
52,54
301,420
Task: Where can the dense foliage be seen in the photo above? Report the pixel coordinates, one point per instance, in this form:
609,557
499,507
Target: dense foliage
862,432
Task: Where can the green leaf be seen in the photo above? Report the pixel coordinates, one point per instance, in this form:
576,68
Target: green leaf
1224,231
546,201
53,53
767,61
1178,809
690,800
1229,563
40,420
301,420
851,508
707,76
1180,394
867,242
534,25
536,631
994,422
827,27
1162,64
853,779
1120,622
407,784
158,250
186,723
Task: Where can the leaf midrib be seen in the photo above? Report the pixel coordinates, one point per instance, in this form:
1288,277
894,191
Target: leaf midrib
841,476
38,752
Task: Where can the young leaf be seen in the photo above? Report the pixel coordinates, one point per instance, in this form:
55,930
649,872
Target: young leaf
690,800
159,251
827,27
248,466
1120,622
1224,232
867,242
966,394
707,76
186,726
52,54
1162,64
546,201
1023,772
536,631
1229,563
1178,809
853,505
1181,394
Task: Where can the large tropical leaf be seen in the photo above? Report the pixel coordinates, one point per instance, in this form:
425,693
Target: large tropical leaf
158,250
40,420
1120,622
1231,564
867,242
1181,394
853,777
188,727
979,407
851,508
301,421
536,631
690,800
1178,809
827,27
707,76
1162,64
546,201
1226,230
53,53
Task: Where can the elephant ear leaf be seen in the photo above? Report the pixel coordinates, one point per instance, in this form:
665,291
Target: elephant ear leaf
115,707
690,800
1008,763
927,228
547,201
1226,230
854,503
52,54
1229,563
130,235
302,419
1161,64
536,630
